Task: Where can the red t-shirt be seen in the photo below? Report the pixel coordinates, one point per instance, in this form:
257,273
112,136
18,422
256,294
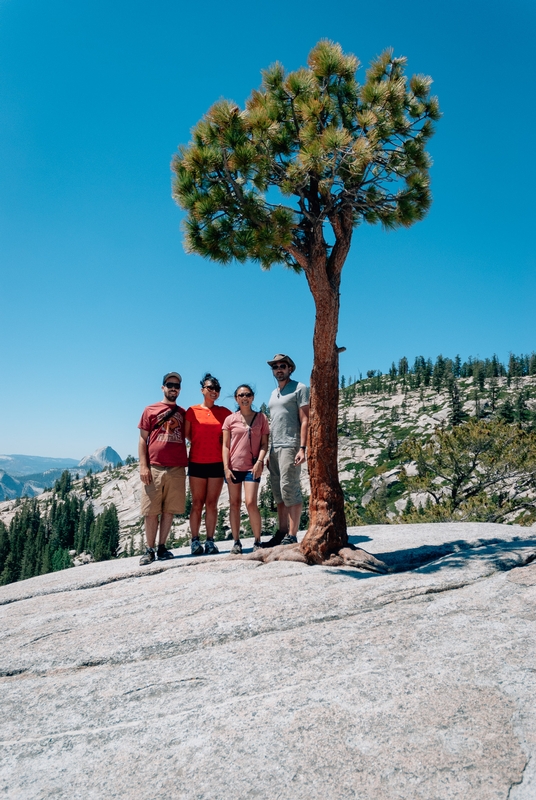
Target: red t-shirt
167,446
205,433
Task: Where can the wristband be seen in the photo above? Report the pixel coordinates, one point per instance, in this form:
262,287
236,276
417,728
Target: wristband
303,447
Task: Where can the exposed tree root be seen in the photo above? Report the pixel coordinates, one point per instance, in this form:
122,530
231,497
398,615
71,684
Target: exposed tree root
346,557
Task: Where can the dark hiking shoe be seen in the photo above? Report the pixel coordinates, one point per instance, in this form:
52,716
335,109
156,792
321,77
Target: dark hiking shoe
236,549
163,553
257,546
276,539
196,548
148,558
289,539
210,548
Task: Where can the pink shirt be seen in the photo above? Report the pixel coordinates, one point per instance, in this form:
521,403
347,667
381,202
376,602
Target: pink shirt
245,440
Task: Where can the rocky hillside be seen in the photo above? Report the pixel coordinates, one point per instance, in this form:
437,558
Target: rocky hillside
379,414
376,416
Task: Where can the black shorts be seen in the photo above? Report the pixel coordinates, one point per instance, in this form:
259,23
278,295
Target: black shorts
205,470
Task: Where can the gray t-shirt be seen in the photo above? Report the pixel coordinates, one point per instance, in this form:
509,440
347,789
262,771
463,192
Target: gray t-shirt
284,408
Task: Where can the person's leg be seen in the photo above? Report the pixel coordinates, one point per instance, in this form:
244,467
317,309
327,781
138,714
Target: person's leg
151,507
290,489
282,516
166,521
214,487
235,502
198,489
151,527
173,502
251,490
294,515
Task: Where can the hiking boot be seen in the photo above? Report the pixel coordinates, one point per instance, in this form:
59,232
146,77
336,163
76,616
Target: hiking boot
163,553
289,539
196,548
236,549
148,558
276,539
210,548
257,545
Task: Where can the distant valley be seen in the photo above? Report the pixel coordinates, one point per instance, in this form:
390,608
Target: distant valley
29,476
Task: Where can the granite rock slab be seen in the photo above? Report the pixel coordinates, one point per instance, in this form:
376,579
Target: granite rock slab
214,677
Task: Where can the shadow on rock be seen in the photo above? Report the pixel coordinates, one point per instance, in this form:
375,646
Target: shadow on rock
407,560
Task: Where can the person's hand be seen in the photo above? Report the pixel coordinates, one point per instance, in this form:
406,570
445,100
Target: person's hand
257,469
145,475
300,457
229,475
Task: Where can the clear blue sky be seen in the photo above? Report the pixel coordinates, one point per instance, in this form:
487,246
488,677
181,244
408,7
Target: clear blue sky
98,298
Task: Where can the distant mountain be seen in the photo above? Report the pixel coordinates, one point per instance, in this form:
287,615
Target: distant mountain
11,488
100,459
28,476
17,465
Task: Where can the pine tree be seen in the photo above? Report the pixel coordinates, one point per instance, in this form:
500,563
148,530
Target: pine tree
521,412
337,154
506,411
403,366
5,547
457,414
63,486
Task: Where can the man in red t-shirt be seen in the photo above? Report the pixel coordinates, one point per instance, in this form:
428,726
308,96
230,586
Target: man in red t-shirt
163,461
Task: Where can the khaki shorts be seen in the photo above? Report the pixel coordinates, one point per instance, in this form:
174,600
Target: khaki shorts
166,493
285,476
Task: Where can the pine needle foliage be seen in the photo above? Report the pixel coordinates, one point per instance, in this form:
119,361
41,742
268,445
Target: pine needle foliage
312,147
477,471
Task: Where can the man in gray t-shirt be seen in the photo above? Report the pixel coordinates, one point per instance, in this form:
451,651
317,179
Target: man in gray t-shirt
289,418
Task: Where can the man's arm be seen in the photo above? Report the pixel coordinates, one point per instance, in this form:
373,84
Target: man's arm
143,453
304,424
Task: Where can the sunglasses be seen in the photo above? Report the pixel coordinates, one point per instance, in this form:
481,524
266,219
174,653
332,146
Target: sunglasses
280,366
170,385
212,388
245,394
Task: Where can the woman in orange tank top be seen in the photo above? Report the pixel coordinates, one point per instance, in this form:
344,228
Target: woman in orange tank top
203,428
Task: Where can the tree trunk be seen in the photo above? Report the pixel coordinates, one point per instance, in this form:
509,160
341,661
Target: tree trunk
327,527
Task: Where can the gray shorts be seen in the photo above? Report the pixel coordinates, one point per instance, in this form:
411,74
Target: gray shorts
285,476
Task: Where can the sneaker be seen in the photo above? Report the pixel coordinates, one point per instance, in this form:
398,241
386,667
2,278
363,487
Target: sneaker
236,549
196,548
276,539
148,558
289,539
210,548
257,546
163,553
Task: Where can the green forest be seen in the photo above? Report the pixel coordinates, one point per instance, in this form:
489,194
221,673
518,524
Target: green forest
45,537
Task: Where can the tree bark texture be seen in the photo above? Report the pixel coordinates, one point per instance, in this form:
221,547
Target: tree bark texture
327,527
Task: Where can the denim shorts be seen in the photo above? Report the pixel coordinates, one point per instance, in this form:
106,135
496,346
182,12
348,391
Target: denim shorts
241,476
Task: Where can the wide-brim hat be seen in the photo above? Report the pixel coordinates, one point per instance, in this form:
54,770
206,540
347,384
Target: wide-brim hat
169,375
281,357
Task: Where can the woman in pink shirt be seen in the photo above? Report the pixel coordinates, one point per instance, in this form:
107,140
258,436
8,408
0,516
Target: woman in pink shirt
245,444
